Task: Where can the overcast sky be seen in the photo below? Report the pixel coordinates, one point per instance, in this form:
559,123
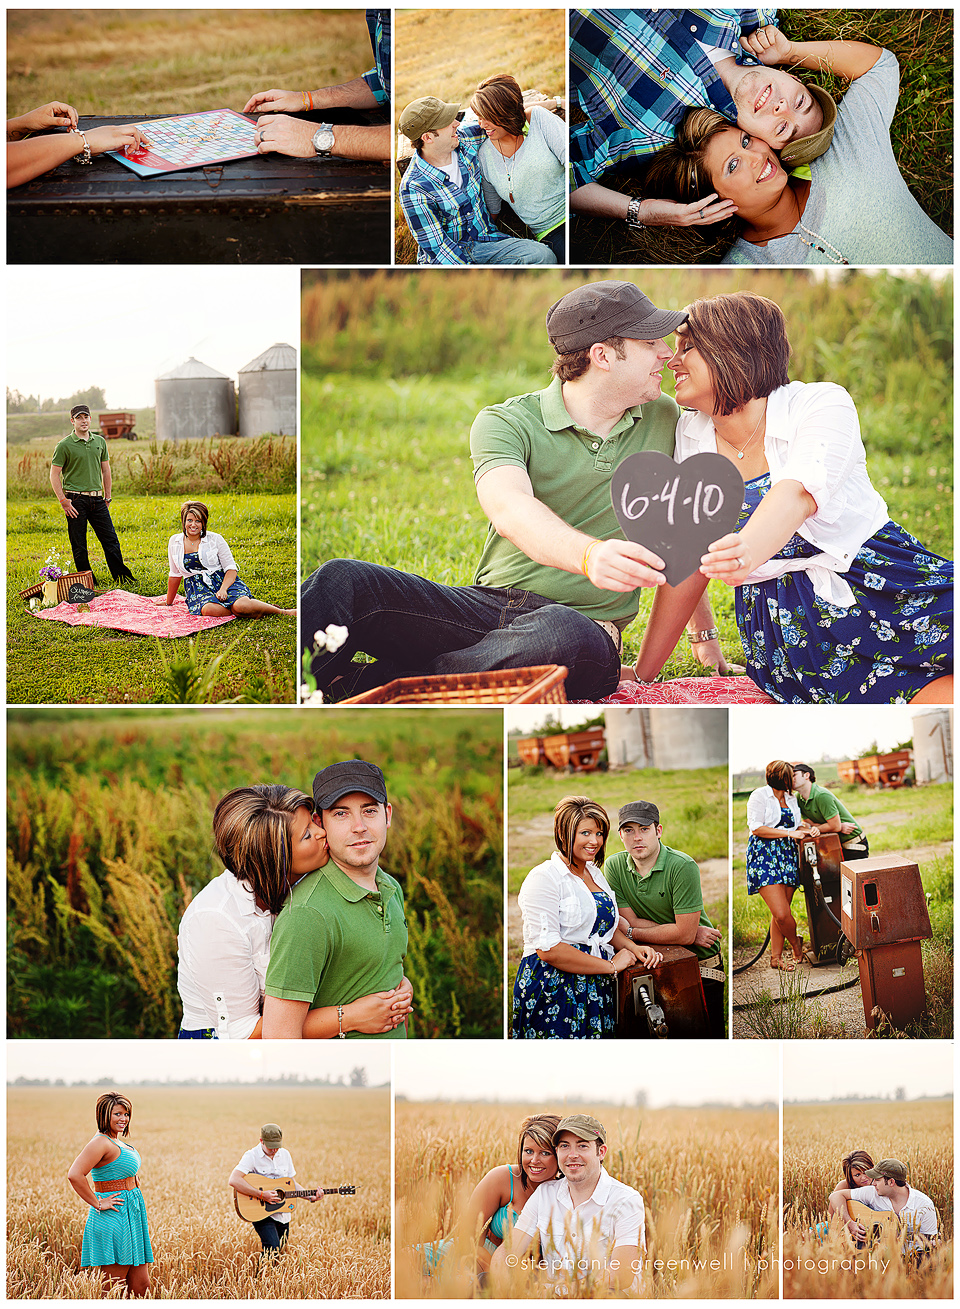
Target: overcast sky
237,1061
759,733
543,1072
70,328
824,1070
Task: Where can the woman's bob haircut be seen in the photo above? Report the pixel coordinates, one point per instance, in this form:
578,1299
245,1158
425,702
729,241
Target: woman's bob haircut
196,507
499,100
539,1128
742,339
780,775
105,1107
567,817
679,170
855,1159
251,831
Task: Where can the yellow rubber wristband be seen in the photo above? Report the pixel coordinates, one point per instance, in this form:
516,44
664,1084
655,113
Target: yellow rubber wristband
586,557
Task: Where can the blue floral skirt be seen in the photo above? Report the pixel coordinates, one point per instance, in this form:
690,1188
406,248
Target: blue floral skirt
772,861
198,593
894,639
552,1005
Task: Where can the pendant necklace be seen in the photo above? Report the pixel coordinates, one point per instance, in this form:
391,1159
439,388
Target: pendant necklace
742,449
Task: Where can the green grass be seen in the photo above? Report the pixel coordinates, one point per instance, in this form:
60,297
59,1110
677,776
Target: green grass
921,133
49,662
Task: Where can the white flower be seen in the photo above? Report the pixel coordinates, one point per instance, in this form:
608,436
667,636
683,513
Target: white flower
308,697
332,638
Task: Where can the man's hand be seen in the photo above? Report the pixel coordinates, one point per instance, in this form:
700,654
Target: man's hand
318,1195
848,828
623,566
706,935
69,509
54,114
274,101
701,213
285,136
768,44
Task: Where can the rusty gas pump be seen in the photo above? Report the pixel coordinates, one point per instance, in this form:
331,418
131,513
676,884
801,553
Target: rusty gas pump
661,1002
885,917
820,858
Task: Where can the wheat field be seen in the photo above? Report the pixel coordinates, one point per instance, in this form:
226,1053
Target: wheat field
190,1140
815,1139
708,1178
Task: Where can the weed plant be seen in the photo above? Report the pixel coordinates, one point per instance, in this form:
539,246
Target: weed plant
109,838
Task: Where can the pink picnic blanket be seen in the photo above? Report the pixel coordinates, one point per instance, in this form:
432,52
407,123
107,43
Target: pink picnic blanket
127,612
688,690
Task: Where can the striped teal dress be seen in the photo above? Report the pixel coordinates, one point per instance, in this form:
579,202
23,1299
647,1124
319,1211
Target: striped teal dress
117,1236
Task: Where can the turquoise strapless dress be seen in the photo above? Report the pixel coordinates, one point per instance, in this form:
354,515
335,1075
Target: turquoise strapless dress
118,1236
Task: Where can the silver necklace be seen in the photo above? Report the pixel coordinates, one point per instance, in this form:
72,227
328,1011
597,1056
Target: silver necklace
742,449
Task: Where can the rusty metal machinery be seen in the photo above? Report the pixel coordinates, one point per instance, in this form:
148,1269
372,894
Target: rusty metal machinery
819,859
885,917
661,1002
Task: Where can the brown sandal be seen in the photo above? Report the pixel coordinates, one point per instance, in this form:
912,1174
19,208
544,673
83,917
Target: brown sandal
782,965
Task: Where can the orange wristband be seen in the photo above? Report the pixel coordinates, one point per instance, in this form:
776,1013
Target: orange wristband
586,557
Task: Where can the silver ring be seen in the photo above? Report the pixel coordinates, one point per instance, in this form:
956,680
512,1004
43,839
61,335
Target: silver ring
740,562
701,213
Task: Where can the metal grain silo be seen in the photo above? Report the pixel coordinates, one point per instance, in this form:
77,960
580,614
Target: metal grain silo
195,401
667,738
268,393
933,744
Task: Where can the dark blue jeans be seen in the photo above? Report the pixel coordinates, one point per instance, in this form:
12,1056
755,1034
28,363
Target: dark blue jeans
273,1234
96,512
413,627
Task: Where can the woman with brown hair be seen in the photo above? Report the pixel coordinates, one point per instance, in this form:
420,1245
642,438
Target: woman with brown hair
775,826
104,1175
205,563
268,840
834,601
573,944
500,1195
523,160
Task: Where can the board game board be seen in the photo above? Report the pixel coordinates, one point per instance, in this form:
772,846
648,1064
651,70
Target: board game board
191,141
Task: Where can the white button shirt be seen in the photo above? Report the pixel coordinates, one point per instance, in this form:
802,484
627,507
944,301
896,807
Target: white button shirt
613,1216
281,1165
224,946
763,808
918,1216
557,907
812,436
214,553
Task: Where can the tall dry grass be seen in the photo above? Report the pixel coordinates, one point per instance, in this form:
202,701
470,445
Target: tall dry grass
815,1139
708,1179
190,1140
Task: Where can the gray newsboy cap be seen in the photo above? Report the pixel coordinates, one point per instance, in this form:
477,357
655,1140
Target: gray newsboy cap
337,780
643,812
599,310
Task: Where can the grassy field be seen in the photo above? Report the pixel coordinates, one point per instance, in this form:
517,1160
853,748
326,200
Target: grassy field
921,133
815,1139
109,838
156,61
49,662
708,1178
435,57
338,1248
914,822
24,428
385,462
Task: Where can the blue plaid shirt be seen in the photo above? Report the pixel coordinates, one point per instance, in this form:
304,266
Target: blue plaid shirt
447,219
378,78
636,72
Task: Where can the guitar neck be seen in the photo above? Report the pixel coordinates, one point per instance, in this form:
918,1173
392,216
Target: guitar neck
302,1195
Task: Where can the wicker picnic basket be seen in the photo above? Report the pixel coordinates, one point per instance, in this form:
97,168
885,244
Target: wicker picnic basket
64,584
542,684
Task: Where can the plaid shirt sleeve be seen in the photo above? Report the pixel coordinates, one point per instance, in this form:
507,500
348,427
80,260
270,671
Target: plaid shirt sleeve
636,72
378,78
444,218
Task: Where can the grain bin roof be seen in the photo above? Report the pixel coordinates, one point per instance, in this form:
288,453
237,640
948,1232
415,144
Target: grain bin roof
277,359
192,368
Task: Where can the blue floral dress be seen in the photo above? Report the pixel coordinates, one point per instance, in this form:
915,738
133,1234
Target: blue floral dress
886,647
201,587
549,1004
772,861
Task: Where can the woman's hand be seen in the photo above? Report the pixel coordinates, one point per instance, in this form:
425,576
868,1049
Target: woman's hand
285,136
275,101
162,600
623,959
114,1201
123,137
381,1012
54,114
768,44
729,560
647,956
701,213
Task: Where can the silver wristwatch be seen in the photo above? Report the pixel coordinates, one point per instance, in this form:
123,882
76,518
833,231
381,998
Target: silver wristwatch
323,139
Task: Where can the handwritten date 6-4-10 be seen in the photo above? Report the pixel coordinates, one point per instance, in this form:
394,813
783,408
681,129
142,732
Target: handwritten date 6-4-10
707,501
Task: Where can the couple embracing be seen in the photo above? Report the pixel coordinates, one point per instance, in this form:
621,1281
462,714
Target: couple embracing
834,601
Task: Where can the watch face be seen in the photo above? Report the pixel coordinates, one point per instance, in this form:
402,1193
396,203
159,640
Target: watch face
323,139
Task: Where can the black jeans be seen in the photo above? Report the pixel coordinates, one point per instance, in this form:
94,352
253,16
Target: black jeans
413,627
95,511
273,1234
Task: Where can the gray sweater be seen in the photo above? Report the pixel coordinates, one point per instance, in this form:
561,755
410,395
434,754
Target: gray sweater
537,174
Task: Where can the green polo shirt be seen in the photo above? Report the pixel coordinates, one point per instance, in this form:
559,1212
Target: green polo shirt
570,471
671,887
823,805
79,462
334,942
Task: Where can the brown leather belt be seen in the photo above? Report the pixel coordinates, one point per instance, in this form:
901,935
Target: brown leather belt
125,1184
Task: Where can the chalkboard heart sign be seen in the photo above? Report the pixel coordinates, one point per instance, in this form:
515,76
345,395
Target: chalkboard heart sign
676,509
79,593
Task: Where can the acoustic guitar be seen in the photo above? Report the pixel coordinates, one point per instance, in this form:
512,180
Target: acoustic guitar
879,1224
252,1208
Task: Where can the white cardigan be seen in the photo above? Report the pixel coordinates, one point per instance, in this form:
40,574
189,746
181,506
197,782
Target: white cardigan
812,437
214,553
557,907
763,808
